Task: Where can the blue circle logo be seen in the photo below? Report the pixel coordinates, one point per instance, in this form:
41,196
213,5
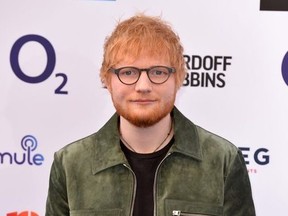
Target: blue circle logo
29,142
285,68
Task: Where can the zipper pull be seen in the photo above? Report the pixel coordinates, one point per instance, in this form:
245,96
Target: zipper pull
176,213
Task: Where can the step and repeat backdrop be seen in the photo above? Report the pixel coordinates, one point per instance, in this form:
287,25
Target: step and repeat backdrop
236,54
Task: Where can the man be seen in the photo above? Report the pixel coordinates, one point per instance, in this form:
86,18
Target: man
148,159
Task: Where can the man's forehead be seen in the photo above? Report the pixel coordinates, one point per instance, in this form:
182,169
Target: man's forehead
130,58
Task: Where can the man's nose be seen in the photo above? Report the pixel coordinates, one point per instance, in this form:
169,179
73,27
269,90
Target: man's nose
143,83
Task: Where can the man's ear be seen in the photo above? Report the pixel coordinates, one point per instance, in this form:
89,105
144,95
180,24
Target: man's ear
107,83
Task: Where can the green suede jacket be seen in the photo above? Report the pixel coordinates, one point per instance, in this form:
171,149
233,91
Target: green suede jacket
202,174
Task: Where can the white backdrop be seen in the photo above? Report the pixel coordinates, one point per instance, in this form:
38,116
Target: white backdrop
234,41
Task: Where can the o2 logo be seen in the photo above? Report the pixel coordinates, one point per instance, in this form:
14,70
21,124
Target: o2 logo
28,144
51,62
24,213
285,68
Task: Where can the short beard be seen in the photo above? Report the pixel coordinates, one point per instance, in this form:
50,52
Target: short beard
147,120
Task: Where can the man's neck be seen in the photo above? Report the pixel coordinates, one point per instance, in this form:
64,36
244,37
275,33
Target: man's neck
148,139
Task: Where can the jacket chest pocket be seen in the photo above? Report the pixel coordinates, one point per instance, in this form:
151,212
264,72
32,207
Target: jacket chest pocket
88,212
186,208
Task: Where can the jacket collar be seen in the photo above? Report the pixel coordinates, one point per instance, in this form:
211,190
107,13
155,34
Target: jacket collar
186,136
106,145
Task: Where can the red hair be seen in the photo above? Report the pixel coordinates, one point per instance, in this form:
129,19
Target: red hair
143,34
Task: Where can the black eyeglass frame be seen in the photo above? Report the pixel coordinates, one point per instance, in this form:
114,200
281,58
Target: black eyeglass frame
147,70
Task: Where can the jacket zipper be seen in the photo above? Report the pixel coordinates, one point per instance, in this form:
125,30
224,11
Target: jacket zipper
134,189
155,181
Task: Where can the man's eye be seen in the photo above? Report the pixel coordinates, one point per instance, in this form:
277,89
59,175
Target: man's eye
157,73
127,73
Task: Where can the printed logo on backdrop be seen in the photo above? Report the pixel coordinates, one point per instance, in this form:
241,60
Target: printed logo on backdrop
24,213
274,5
206,71
27,156
284,68
25,76
255,159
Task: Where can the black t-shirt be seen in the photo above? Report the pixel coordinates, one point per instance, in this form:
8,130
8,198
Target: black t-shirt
144,166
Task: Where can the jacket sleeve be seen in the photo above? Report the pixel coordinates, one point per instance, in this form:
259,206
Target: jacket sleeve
57,202
238,199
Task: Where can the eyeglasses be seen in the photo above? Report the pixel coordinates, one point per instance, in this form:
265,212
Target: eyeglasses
156,74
